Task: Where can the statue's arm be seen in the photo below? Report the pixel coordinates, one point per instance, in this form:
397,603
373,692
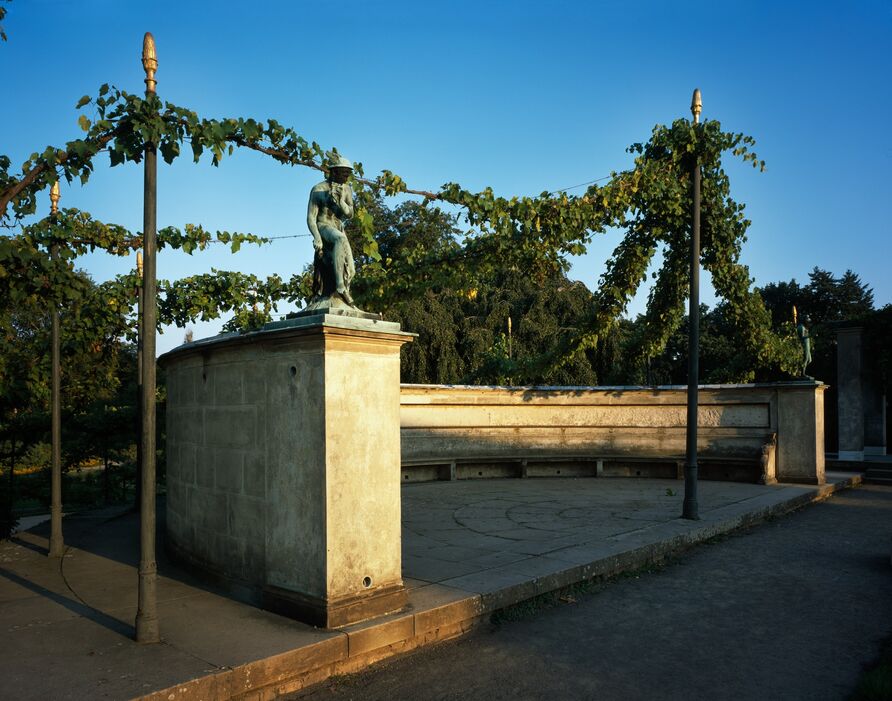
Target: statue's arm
347,201
342,200
312,215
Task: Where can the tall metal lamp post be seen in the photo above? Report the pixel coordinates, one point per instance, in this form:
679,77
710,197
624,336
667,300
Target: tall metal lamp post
147,615
57,545
690,509
138,424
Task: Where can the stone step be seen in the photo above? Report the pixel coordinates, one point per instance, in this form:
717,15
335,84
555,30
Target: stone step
878,480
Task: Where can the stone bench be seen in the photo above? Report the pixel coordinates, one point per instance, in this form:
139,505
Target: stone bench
754,461
754,433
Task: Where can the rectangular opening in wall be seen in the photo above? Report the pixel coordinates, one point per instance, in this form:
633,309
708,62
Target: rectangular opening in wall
643,468
560,468
424,473
487,470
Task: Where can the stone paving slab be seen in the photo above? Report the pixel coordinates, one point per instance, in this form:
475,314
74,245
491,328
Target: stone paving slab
470,547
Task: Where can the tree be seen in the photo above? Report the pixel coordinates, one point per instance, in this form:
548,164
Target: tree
878,346
2,16
780,298
464,333
650,201
91,349
722,359
823,300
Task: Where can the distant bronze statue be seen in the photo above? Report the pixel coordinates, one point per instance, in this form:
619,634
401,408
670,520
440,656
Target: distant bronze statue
330,207
802,333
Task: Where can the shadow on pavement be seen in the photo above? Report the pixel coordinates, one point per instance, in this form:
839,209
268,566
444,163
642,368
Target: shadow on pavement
77,607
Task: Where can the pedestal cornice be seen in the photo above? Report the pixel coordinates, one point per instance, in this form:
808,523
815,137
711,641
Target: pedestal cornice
331,325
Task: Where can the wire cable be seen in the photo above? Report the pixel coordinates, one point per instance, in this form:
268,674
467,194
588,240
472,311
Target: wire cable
573,187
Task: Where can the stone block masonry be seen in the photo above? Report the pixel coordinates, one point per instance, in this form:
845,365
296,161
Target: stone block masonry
766,432
283,465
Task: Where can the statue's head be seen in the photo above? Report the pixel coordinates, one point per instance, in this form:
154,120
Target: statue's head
341,170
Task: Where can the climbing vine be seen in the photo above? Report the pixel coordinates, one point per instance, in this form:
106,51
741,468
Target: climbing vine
650,202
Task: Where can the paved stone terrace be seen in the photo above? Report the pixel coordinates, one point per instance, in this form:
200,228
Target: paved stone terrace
470,547
469,534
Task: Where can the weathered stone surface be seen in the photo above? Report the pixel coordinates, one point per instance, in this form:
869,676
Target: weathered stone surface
363,448
229,427
292,440
247,518
444,424
850,399
188,456
860,399
800,434
254,384
363,637
228,385
228,470
357,322
185,424
254,478
205,474
562,415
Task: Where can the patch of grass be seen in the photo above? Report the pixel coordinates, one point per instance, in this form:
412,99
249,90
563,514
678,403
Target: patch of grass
719,538
570,594
522,610
649,568
876,683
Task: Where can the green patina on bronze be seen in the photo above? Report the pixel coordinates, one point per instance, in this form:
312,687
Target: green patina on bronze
330,207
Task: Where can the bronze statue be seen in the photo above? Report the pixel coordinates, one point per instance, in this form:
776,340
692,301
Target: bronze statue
330,207
802,333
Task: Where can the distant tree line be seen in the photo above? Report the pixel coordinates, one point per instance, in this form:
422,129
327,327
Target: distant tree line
464,334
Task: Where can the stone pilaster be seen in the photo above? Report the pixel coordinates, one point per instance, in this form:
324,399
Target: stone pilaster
849,393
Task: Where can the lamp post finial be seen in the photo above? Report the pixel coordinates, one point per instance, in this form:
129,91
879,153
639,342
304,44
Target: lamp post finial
696,105
54,198
149,61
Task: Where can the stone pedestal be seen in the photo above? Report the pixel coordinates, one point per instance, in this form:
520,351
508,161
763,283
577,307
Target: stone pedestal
800,431
862,404
284,464
874,419
851,400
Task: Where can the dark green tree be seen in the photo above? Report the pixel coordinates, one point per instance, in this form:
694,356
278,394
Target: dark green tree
878,346
92,349
464,333
824,299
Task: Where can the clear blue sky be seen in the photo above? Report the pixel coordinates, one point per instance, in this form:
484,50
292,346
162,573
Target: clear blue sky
520,96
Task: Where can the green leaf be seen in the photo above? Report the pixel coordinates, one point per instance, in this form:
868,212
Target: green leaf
169,151
84,122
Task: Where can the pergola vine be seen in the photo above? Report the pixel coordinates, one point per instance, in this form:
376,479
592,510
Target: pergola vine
650,202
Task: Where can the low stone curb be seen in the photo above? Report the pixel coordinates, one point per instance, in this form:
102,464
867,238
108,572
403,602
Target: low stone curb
439,612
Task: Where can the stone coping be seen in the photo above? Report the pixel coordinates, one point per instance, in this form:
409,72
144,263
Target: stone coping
297,326
793,384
